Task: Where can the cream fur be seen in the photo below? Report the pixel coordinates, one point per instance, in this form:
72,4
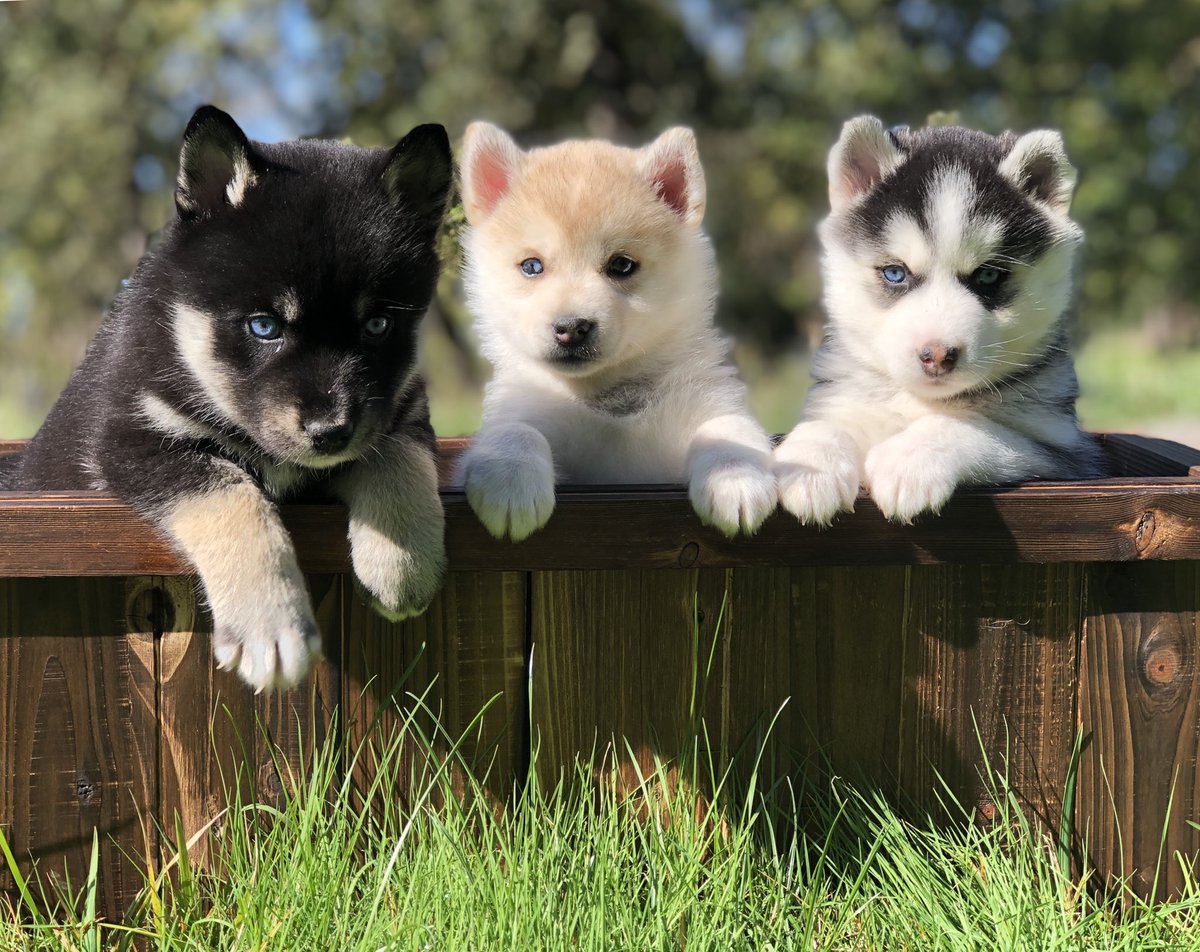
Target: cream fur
573,206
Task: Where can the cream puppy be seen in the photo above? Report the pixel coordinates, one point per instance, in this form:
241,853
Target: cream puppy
593,289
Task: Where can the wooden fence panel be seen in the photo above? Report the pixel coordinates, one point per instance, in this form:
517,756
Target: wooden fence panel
1140,703
79,747
990,667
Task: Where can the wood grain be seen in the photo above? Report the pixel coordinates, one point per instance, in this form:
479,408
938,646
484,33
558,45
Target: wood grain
464,657
78,744
989,686
1139,694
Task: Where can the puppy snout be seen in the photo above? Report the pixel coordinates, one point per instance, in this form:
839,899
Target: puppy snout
330,434
572,331
937,360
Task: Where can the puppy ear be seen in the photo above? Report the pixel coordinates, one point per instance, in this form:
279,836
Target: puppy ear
1037,164
863,156
216,164
672,164
418,173
491,163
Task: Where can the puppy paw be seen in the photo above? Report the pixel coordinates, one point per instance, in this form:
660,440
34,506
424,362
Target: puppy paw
399,577
734,495
269,646
905,482
818,471
513,495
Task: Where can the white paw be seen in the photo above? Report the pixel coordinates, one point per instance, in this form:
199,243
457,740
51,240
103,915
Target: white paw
819,473
268,649
906,480
399,577
733,495
512,495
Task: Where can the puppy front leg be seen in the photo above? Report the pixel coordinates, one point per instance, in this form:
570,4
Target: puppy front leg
819,468
263,624
918,469
508,472
730,481
397,525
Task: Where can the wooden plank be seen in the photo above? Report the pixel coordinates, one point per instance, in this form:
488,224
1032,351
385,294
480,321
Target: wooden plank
78,733
811,645
464,656
613,671
217,736
990,686
1102,521
1130,455
1140,704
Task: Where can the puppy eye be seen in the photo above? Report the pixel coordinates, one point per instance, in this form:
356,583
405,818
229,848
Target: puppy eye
265,327
987,276
376,328
894,273
532,267
620,266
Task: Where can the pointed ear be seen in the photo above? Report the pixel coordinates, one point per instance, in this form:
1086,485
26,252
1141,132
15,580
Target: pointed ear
672,164
491,162
216,164
419,172
1038,165
863,156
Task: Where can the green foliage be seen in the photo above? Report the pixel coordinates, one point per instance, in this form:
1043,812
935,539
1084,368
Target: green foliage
94,96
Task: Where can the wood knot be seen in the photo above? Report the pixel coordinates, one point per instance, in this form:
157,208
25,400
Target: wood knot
150,608
270,786
1144,532
689,555
86,789
1164,663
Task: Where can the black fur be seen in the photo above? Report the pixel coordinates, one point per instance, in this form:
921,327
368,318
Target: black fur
178,406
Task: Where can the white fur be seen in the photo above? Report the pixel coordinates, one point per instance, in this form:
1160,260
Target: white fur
875,416
543,424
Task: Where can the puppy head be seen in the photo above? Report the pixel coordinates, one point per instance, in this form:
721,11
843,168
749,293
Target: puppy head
297,274
584,255
948,251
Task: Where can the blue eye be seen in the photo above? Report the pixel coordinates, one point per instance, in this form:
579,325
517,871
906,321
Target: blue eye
987,276
894,273
532,267
376,328
266,327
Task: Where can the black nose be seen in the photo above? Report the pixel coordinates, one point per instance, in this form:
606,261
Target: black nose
572,331
329,435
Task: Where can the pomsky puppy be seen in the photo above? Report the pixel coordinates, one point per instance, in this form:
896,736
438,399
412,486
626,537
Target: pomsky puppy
593,289
265,349
948,270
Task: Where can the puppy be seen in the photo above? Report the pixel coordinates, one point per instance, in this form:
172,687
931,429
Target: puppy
263,351
947,266
593,289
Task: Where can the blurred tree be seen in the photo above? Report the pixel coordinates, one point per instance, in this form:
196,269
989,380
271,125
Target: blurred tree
94,96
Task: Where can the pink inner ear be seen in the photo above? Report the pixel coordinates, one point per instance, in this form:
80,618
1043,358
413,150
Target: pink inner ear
670,181
491,180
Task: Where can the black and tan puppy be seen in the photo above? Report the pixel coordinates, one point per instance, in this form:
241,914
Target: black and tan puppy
264,350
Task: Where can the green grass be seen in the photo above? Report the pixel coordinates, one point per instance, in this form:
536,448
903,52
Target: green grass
1126,382
574,865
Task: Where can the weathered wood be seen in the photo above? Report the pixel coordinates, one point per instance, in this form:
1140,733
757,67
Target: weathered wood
1129,455
464,655
612,665
217,736
78,749
989,684
1103,521
1139,702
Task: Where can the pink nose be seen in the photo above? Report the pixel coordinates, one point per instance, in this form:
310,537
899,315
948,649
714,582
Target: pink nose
937,360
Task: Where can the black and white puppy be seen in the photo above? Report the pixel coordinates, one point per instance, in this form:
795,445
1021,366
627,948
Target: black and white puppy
948,270
265,349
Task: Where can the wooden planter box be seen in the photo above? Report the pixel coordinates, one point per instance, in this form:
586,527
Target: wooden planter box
1021,616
